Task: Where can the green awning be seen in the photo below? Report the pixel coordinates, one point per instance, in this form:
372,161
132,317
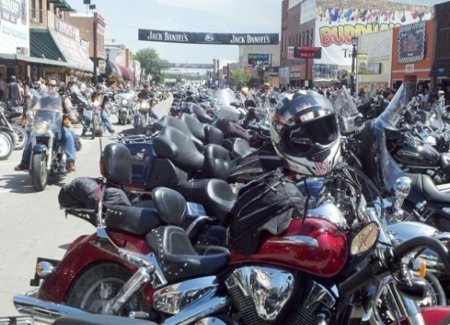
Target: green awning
61,4
43,46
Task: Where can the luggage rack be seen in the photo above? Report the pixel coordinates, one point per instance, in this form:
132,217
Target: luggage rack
133,138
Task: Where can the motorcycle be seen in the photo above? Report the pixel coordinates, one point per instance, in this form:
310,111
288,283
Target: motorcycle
140,263
47,154
143,114
125,100
7,136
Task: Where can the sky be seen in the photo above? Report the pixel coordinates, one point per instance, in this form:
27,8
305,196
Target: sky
124,18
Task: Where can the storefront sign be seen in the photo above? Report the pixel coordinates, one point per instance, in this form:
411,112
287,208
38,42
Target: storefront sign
11,10
66,29
295,75
411,43
336,25
14,27
307,52
207,38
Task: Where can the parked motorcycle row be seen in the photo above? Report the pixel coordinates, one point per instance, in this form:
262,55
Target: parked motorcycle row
181,236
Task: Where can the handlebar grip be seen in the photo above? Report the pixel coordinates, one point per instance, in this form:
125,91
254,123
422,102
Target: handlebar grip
357,280
423,242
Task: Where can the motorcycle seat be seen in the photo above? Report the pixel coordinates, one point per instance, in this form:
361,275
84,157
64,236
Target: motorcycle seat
175,145
424,184
215,195
217,161
201,114
178,258
176,123
194,125
134,220
240,148
213,134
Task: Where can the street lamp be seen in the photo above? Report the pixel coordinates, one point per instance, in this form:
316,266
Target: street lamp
108,67
354,54
95,58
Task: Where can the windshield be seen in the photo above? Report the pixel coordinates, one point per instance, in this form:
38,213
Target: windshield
226,97
344,104
395,110
51,117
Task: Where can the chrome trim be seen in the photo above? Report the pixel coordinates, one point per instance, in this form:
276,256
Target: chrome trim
296,240
137,280
173,299
195,222
44,311
203,308
210,321
405,230
329,212
269,288
320,294
44,269
149,261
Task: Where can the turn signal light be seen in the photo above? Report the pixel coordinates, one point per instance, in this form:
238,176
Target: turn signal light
422,268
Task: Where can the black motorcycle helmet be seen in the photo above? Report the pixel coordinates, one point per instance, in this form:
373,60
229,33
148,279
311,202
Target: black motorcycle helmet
305,133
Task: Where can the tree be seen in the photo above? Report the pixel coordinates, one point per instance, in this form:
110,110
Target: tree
240,78
151,62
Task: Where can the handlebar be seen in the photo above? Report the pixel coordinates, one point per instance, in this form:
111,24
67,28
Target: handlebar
390,260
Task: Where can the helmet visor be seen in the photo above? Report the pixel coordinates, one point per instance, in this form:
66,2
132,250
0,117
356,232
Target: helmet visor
301,138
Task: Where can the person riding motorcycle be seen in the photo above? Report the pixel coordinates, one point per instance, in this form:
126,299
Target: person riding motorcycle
146,94
52,99
99,98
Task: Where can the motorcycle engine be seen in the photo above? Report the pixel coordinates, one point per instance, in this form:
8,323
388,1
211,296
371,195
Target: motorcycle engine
263,294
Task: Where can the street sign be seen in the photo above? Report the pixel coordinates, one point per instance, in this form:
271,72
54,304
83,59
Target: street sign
307,52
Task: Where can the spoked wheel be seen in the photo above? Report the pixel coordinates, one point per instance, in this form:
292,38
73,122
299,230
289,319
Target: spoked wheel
95,289
21,137
6,146
39,172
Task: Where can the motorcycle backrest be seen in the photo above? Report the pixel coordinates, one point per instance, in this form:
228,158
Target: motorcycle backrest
178,124
175,145
217,161
194,125
213,134
116,164
201,114
170,204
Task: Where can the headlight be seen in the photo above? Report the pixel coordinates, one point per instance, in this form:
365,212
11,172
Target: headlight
124,102
41,128
145,105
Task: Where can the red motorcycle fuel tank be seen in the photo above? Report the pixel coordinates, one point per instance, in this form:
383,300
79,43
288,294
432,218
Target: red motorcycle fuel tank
311,245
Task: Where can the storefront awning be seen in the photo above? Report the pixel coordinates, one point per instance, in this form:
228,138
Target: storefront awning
72,51
43,46
61,4
127,74
113,69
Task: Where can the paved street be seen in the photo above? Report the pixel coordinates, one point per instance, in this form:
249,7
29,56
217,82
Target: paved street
32,224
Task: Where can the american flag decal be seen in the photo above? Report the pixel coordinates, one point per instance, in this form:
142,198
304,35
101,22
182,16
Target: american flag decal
323,167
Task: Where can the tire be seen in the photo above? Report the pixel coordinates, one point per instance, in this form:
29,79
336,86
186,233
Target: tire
6,146
94,290
123,118
21,137
39,172
96,129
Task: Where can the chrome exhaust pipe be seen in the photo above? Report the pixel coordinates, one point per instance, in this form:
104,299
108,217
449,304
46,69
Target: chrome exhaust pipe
44,311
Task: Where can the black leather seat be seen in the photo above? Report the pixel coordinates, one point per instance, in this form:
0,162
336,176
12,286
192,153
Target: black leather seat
116,164
177,124
215,195
217,161
201,114
213,134
194,125
241,148
175,145
178,258
170,204
131,219
424,184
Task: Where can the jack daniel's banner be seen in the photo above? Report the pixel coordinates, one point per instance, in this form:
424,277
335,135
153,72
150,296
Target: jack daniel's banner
207,38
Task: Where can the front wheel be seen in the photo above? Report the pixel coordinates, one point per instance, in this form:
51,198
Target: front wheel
96,126
95,289
39,172
6,146
21,137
